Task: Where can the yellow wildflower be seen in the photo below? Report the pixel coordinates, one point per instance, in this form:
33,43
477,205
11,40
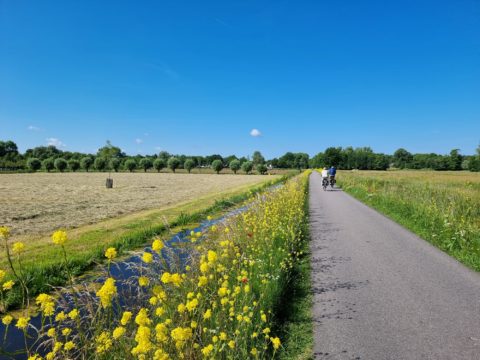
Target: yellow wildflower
211,256
276,342
223,336
166,278
66,331
118,332
46,303
7,319
192,304
2,274
51,332
264,317
207,314
143,281
147,257
22,322
142,318
202,281
107,292
18,248
127,315
69,346
254,352
111,253
73,314
231,344
161,332
157,245
159,311
60,317
7,285
207,350
104,342
176,280
59,237
181,308
4,231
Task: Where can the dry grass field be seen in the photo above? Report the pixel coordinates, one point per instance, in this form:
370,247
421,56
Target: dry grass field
35,204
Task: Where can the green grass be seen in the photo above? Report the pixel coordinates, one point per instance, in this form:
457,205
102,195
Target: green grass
43,268
441,207
294,312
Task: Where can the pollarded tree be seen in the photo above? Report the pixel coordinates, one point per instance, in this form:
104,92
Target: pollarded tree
146,164
188,165
74,165
261,169
130,165
247,166
114,164
173,163
86,163
60,164
258,158
34,164
159,164
48,164
234,166
100,163
217,165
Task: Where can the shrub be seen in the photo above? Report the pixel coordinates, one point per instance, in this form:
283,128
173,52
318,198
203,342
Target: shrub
34,164
146,164
100,163
173,163
217,165
234,166
115,164
74,165
247,166
262,169
48,164
86,163
60,164
130,165
189,164
158,164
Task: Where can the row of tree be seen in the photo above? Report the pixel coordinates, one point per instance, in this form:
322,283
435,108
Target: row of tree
111,157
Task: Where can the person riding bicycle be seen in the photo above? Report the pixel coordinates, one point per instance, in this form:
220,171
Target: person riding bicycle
324,173
332,172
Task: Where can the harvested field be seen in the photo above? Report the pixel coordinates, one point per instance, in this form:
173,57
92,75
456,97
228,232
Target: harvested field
35,204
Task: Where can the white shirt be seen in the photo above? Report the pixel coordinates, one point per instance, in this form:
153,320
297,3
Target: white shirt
324,173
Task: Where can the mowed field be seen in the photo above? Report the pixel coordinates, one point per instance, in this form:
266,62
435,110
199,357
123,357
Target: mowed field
36,204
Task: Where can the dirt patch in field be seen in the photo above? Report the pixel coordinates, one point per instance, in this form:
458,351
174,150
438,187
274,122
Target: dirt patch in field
40,203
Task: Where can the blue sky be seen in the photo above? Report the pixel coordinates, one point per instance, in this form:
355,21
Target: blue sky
196,77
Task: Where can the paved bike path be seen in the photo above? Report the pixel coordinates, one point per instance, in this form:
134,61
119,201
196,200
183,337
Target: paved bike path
380,292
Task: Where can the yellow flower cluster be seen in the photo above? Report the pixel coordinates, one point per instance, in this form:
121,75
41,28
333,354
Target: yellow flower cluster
59,237
107,292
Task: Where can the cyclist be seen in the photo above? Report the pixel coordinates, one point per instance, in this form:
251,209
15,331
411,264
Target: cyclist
332,172
324,178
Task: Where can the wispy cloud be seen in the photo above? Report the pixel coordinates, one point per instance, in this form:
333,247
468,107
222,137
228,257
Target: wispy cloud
55,142
255,133
222,22
33,128
165,69
138,141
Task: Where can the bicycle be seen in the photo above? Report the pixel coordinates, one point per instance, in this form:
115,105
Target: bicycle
324,183
332,181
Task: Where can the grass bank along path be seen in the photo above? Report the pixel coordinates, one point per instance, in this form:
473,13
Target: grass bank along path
381,292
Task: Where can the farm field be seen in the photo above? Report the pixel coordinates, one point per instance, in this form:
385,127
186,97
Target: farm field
37,204
441,207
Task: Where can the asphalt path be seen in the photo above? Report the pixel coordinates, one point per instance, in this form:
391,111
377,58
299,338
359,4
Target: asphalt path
381,292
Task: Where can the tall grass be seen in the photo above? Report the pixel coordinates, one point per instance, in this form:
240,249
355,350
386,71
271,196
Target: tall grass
441,207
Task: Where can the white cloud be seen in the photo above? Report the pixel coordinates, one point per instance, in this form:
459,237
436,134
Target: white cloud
33,128
255,133
138,141
55,142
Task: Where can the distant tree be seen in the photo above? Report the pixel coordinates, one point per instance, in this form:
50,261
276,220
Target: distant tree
217,165
164,155
8,148
211,158
146,164
247,167
60,164
261,169
48,164
100,163
258,158
301,161
159,164
455,160
188,165
109,151
43,152
86,163
173,163
332,156
402,159
74,164
114,164
474,163
130,165
34,164
235,166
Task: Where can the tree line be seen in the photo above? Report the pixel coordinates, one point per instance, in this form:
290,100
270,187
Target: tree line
110,157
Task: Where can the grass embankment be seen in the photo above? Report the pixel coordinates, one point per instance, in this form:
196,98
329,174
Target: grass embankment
441,207
42,261
228,304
